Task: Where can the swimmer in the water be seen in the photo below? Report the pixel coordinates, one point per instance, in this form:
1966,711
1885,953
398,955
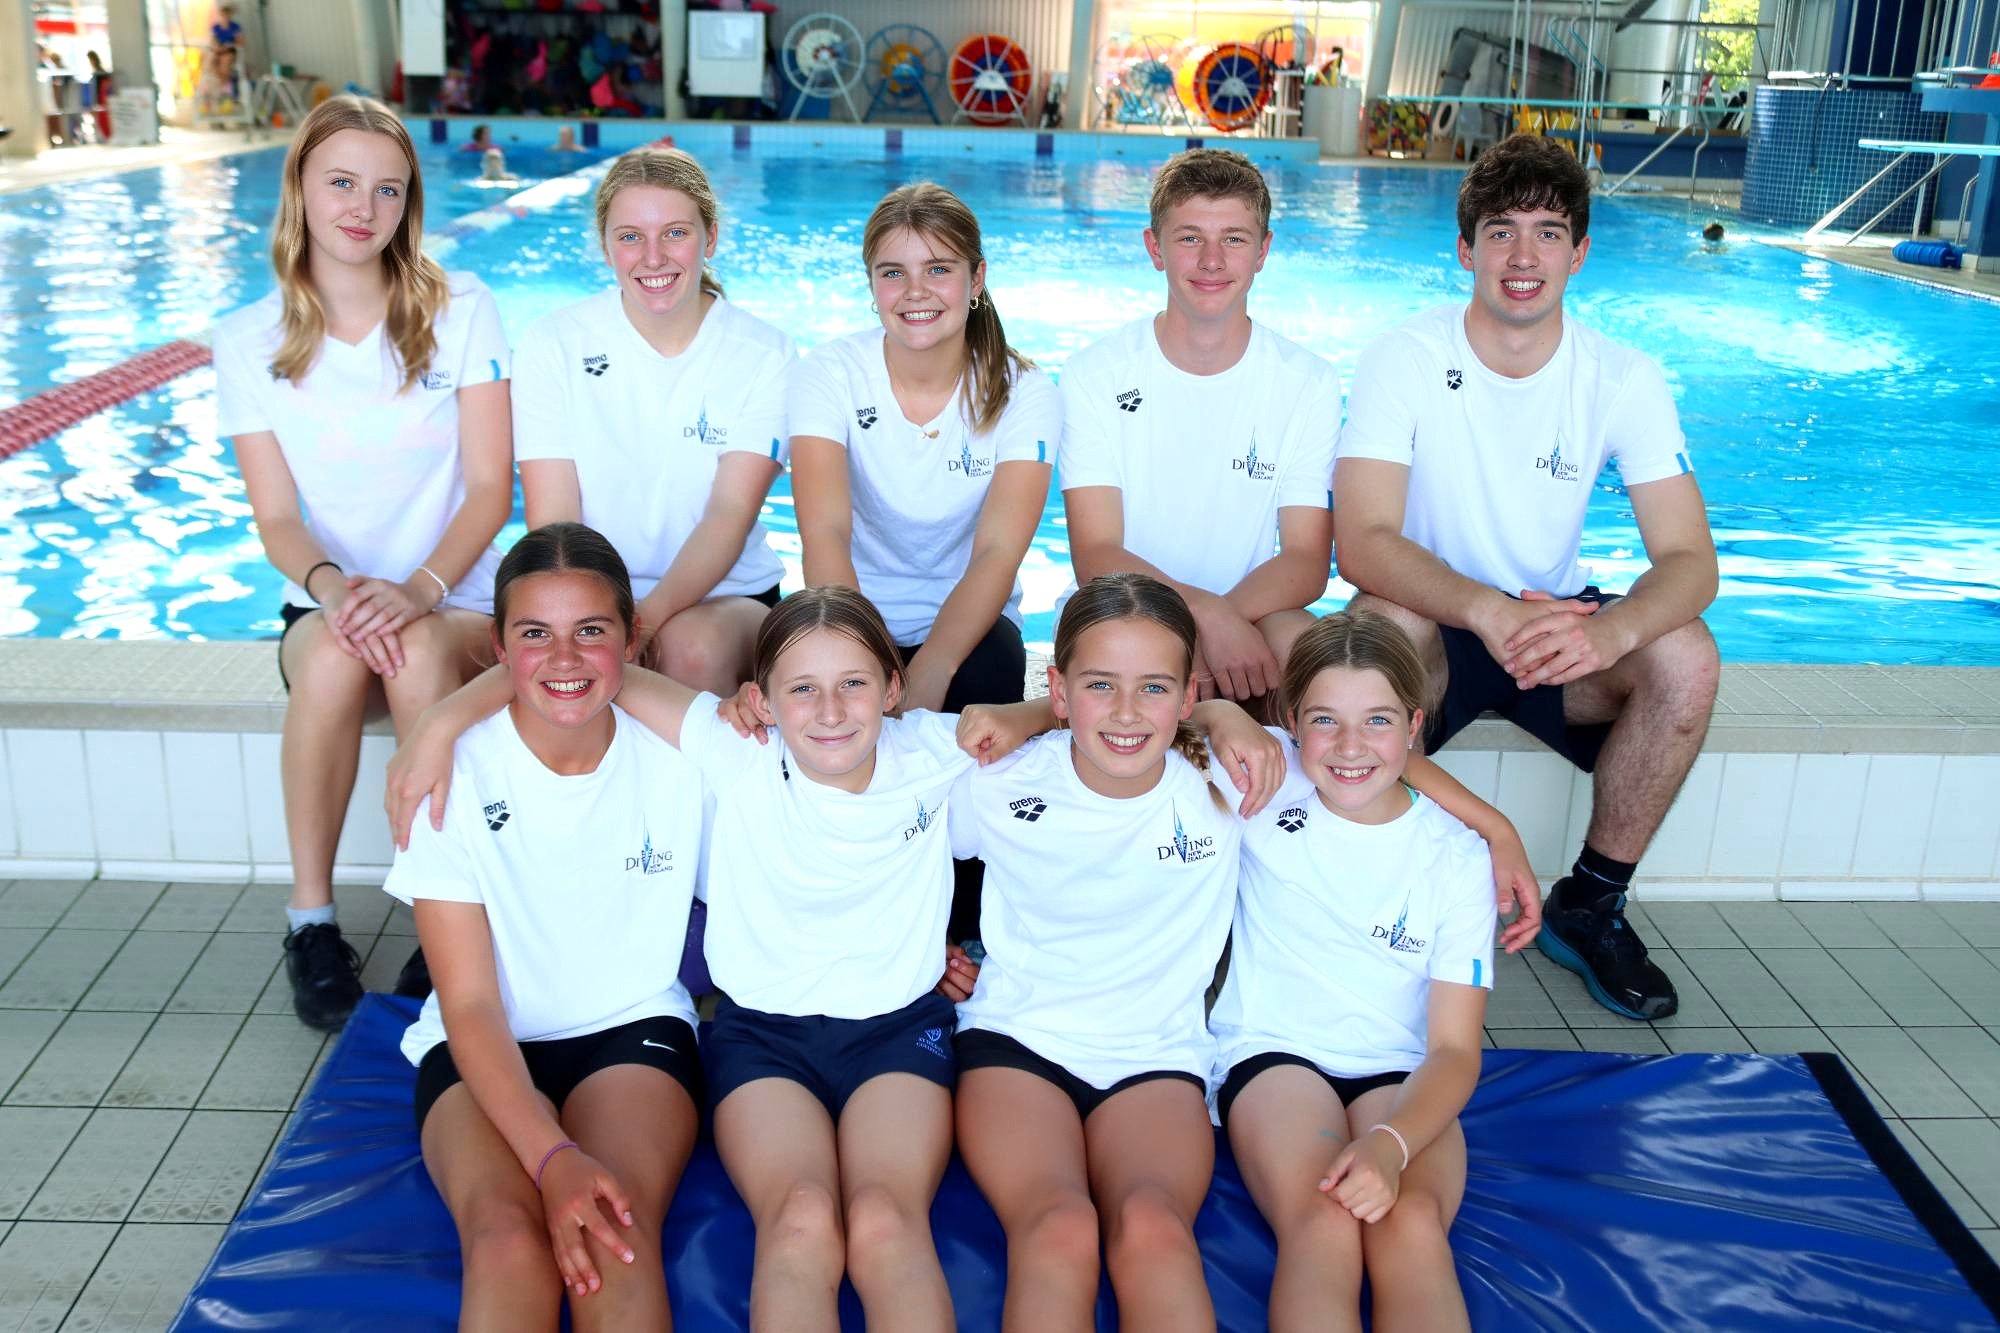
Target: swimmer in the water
1712,234
493,167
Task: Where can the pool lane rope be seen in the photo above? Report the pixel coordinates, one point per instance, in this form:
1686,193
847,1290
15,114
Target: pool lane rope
53,411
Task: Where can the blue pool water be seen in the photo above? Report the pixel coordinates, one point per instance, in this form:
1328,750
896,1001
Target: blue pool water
1841,431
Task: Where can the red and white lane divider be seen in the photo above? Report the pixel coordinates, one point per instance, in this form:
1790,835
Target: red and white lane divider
56,410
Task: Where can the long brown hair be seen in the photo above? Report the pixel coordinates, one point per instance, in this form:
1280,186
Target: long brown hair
941,217
663,169
1134,597
1357,641
418,290
830,606
561,547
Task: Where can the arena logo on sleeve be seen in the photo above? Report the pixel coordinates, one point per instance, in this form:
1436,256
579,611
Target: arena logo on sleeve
864,416
1292,818
496,815
1129,400
596,365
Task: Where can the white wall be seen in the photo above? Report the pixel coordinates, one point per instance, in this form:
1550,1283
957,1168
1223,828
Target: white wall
338,41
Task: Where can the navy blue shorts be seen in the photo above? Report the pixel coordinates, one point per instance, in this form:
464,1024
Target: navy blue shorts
556,1067
981,1049
1347,1089
1475,684
830,1057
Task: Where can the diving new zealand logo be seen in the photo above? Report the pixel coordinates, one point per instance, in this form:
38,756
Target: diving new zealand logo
649,861
1555,465
596,365
1255,468
704,432
925,818
437,379
970,466
1185,847
1398,937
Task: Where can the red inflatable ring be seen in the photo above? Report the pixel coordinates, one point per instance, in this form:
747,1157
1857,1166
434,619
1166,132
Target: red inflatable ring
990,79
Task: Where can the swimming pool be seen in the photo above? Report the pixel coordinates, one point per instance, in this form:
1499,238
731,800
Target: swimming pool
1845,449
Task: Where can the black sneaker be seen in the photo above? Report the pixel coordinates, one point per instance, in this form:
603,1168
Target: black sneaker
414,980
1594,941
326,976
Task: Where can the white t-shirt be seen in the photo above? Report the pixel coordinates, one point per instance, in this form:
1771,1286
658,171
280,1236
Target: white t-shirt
646,432
586,880
1341,927
820,901
1103,919
1204,461
916,490
377,469
1501,470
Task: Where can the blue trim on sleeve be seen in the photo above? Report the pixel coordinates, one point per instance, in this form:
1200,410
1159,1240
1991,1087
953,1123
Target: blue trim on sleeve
1041,451
496,368
1686,465
1329,499
1478,970
774,448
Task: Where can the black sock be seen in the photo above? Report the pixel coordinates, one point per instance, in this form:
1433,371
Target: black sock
1596,874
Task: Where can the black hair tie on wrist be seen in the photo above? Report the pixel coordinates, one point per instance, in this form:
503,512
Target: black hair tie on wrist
306,582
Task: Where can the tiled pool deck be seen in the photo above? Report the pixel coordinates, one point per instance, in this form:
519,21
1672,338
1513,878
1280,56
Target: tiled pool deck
149,1059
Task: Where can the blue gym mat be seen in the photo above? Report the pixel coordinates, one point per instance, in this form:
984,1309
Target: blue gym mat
1605,1192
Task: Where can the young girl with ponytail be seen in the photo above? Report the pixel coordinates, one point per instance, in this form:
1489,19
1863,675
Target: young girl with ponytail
921,455
655,412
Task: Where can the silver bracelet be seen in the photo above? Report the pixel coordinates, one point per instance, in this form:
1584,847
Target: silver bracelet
443,591
1397,1135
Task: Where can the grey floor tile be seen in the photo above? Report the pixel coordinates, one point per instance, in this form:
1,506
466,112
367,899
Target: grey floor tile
210,1167
1829,996
385,958
1991,1240
145,971
23,1033
192,907
1698,1008
1979,923
364,908
1896,1067
143,1279
400,922
1632,1039
1767,925
1967,976
1841,925
1748,994
106,1167
16,943
1913,925
1896,983
1518,1000
112,904
276,997
60,970
1535,1039
1970,1056
41,902
175,1061
36,1138
229,975
1786,1040
79,1061
266,1066
44,1267
1705,1041
1970,1150
259,910
1962,1203
1690,926
1486,1040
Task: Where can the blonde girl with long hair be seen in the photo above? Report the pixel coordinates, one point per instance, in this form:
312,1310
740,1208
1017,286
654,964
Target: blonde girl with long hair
654,411
367,399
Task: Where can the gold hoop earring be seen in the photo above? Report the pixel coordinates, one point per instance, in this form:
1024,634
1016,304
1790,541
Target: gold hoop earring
875,307
975,303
